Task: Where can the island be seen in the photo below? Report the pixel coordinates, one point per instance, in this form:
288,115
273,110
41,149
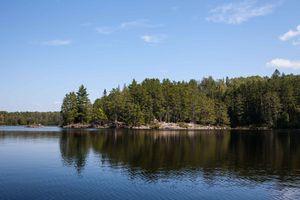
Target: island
253,102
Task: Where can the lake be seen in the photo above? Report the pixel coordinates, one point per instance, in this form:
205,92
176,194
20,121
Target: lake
51,163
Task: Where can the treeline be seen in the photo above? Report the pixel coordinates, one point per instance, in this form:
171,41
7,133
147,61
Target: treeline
77,108
29,118
252,101
273,102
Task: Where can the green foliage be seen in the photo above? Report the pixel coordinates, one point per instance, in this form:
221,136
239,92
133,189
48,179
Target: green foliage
154,125
134,116
76,107
221,114
207,112
271,108
84,106
276,74
29,118
69,108
183,125
252,101
261,101
98,115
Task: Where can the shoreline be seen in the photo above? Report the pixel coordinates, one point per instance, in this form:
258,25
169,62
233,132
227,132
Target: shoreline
163,126
160,129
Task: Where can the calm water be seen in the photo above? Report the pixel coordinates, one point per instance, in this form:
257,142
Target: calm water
50,163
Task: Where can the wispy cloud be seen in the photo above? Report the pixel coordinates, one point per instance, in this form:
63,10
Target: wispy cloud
292,34
140,23
105,30
57,42
239,12
284,63
153,39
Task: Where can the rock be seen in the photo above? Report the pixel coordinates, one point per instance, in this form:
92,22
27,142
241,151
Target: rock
78,126
35,126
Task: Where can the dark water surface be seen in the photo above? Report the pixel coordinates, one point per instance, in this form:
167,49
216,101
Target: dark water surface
50,163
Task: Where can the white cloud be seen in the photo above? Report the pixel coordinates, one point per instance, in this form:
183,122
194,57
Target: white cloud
239,12
290,34
57,42
284,63
153,39
140,23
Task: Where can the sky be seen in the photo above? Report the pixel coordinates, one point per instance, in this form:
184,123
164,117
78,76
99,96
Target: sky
51,47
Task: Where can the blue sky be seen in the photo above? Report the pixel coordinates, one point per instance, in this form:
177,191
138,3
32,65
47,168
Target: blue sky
48,48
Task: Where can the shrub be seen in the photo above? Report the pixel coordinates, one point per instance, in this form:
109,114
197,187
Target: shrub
183,125
154,126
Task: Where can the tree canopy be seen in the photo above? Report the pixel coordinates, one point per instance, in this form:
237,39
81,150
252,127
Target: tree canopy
29,118
245,101
76,107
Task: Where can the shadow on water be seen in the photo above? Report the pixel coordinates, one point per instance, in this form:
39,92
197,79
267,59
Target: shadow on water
249,155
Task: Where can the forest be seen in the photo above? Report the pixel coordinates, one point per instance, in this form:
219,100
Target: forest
29,118
253,101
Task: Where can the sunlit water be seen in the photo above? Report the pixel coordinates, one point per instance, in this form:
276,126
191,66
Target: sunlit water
50,163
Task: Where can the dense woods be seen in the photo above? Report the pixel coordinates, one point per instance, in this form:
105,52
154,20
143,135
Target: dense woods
245,101
252,101
29,118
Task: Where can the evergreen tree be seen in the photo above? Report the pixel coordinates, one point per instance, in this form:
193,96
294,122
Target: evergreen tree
69,108
134,115
276,74
207,112
259,101
271,109
98,115
84,106
221,114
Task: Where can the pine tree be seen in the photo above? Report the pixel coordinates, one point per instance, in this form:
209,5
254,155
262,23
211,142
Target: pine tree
84,106
69,108
271,109
98,115
221,114
134,115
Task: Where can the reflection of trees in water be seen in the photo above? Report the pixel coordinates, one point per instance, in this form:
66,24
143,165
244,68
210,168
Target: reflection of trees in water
153,154
260,153
158,151
248,155
74,149
29,134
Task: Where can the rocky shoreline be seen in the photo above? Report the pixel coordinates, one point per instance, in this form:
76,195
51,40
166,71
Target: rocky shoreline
35,126
156,126
161,126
